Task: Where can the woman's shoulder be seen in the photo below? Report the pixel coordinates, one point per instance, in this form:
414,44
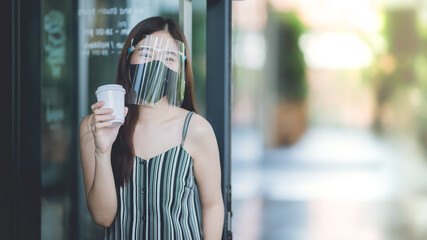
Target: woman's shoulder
200,134
199,125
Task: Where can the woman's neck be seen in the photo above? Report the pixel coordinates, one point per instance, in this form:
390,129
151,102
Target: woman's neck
158,113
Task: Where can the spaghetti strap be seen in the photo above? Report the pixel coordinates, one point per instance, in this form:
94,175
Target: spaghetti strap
185,128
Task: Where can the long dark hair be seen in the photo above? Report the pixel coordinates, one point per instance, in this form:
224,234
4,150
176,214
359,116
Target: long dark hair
123,151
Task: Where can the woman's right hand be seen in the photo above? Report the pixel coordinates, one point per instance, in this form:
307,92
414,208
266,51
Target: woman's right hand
103,134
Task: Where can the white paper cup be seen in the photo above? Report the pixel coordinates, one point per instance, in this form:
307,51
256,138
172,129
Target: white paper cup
114,97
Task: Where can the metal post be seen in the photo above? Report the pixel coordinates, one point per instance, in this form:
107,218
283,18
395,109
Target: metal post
218,92
26,93
7,127
185,20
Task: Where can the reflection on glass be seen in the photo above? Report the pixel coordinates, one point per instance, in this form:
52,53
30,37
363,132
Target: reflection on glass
57,120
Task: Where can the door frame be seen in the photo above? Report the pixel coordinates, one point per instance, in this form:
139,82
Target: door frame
218,92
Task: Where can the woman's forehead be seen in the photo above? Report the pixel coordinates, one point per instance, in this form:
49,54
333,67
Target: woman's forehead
161,41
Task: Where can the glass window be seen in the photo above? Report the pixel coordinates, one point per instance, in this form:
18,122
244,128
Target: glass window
58,113
81,44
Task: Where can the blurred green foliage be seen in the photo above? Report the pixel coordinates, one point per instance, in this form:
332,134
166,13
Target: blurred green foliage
292,83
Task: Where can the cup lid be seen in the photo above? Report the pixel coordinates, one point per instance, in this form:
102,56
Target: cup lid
110,87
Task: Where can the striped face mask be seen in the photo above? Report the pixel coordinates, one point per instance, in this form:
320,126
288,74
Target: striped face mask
156,71
154,81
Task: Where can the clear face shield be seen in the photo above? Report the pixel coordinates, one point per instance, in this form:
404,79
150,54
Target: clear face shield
157,72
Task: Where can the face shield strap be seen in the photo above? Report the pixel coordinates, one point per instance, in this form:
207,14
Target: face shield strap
131,46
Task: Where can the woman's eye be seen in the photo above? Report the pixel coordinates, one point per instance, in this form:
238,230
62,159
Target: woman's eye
143,53
146,55
170,59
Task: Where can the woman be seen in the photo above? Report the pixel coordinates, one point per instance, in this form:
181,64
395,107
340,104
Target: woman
158,175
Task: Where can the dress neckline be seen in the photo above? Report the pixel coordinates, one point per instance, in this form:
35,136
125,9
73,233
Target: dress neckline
170,149
184,134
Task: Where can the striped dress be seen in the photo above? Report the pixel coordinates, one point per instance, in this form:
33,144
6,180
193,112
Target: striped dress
160,200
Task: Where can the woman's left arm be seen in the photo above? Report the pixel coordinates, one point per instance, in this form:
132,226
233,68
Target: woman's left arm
207,171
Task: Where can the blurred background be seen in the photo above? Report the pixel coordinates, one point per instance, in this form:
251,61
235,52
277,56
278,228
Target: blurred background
329,129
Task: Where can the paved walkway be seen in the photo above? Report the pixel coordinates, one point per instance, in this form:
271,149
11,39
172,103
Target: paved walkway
334,184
